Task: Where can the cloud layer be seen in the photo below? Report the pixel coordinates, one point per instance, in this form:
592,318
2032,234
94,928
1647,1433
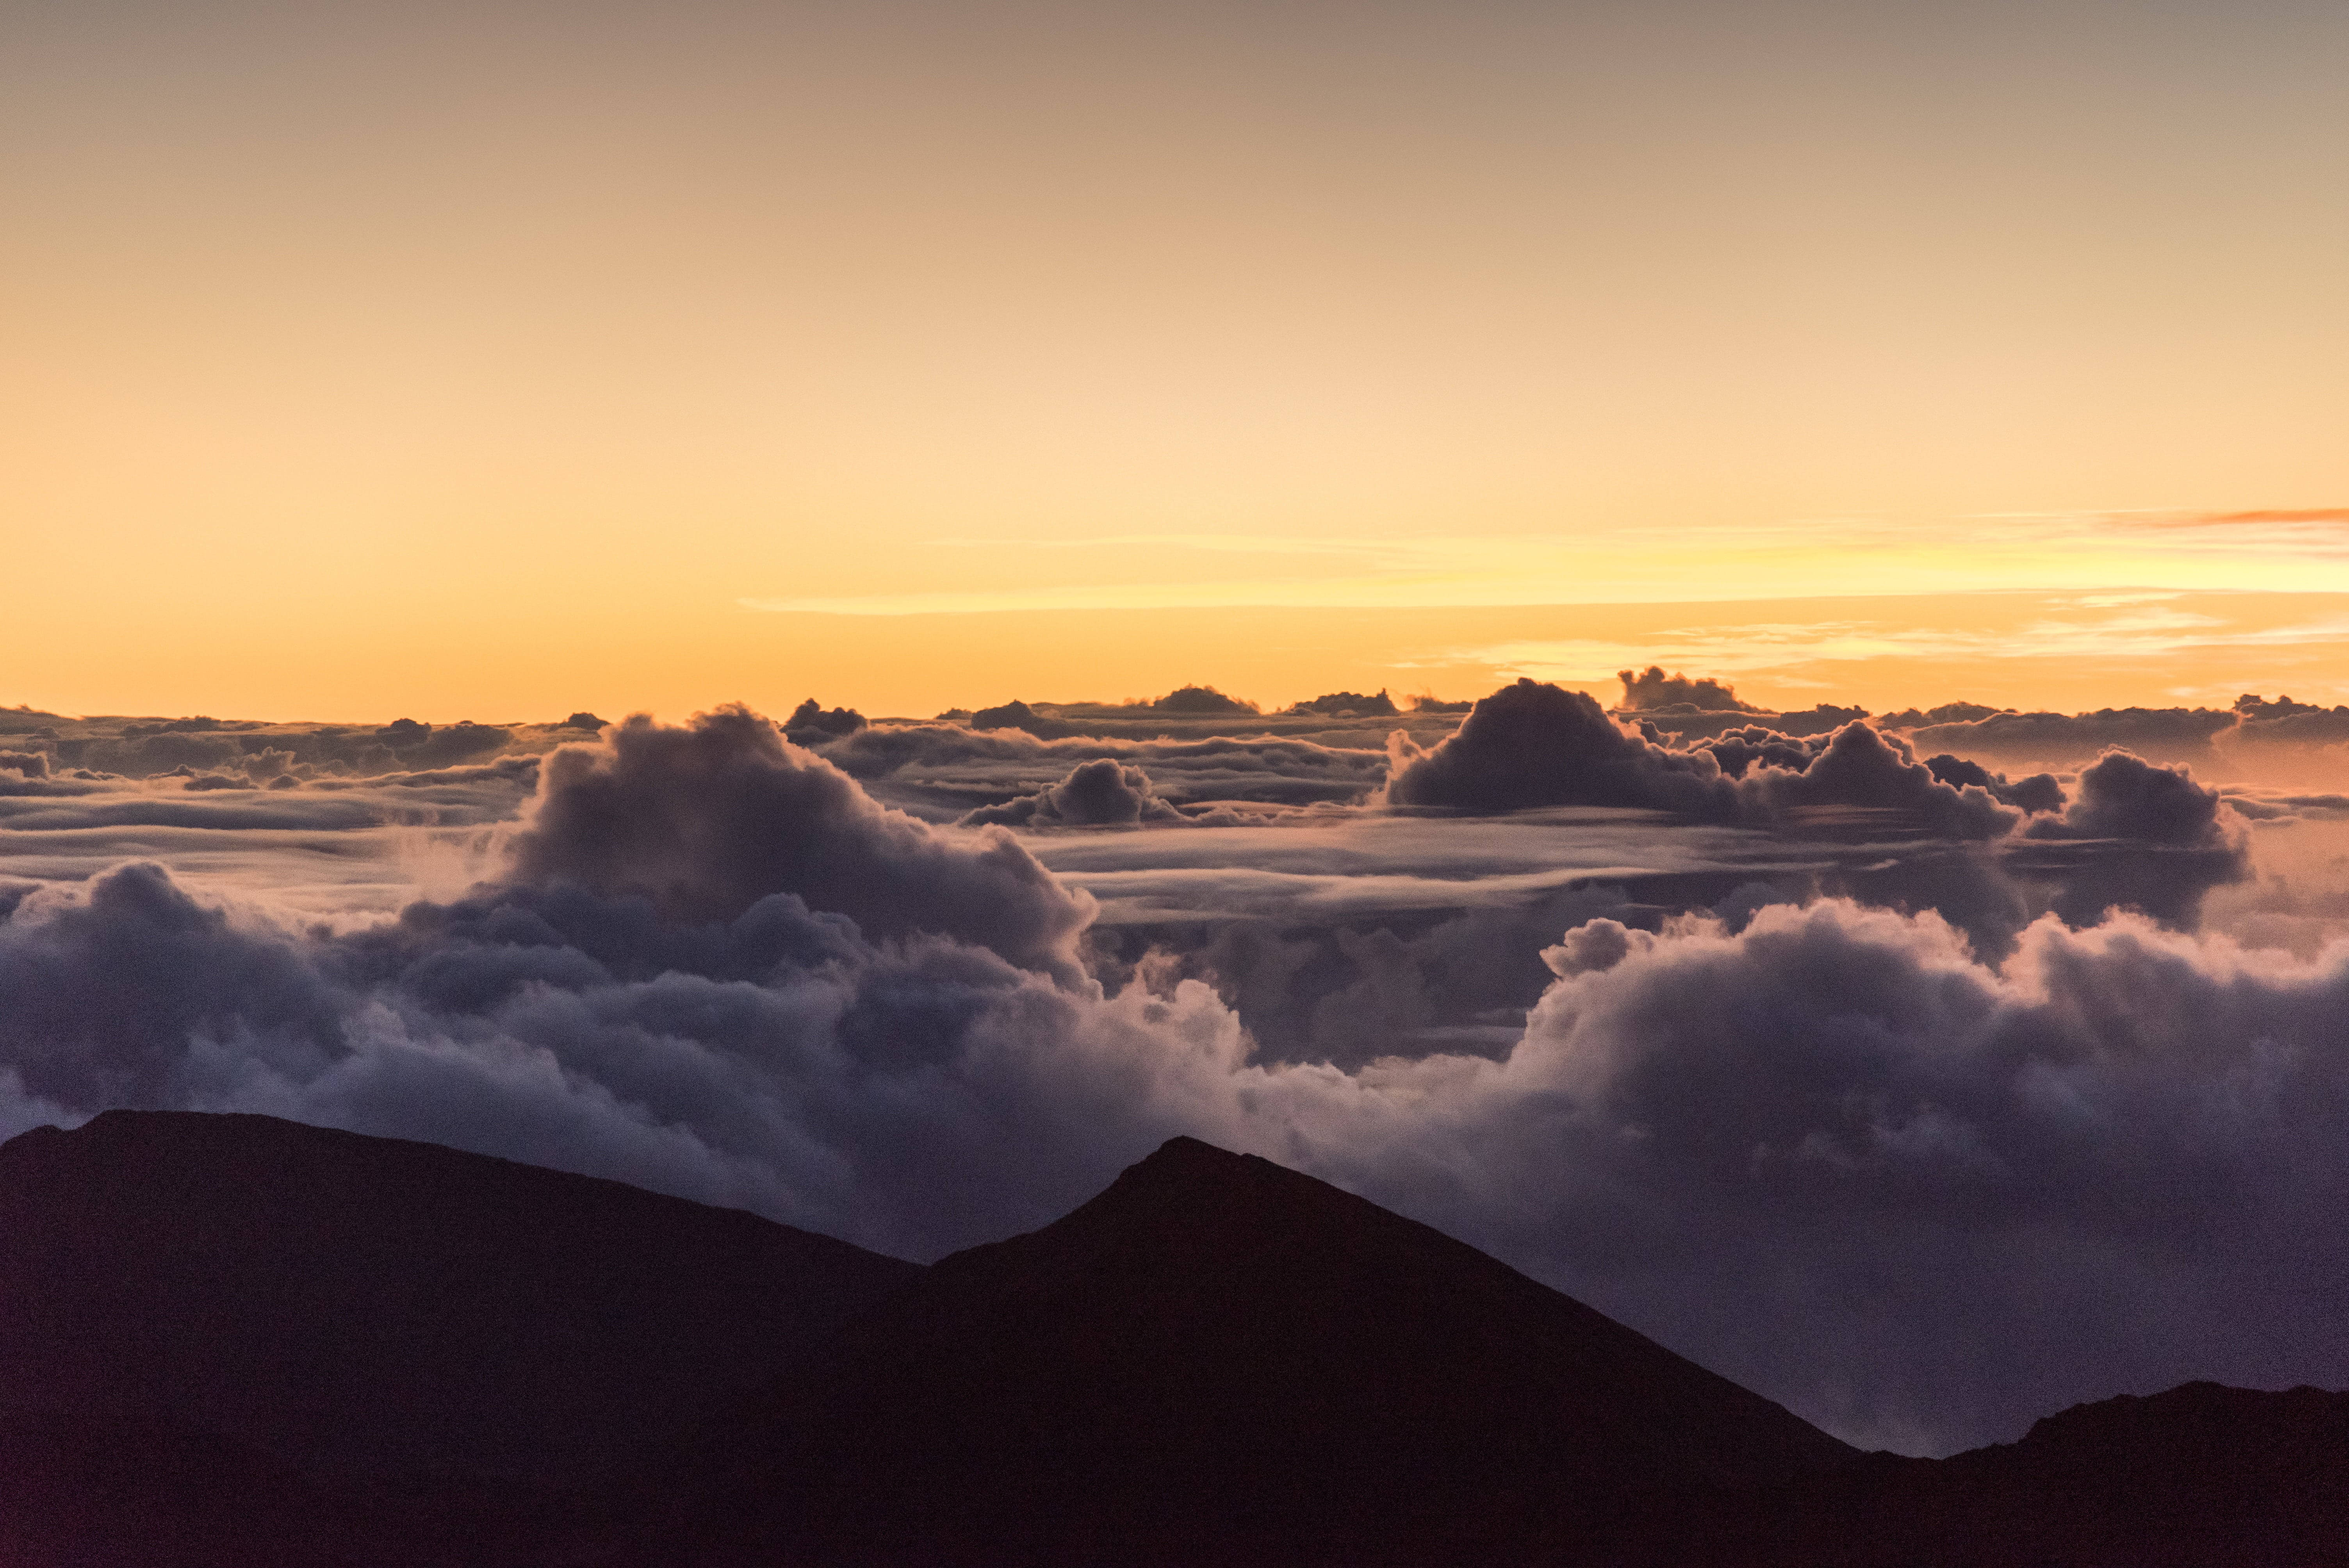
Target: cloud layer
1734,1079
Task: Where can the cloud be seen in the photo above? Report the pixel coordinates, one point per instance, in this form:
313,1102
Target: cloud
1832,1153
1531,745
2167,732
2039,792
2154,840
950,769
2123,796
1921,1188
810,723
708,819
2285,723
111,993
1859,768
1652,687
779,1059
2016,1187
1097,794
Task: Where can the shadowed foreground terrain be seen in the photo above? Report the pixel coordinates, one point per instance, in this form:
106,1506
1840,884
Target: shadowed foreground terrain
232,1339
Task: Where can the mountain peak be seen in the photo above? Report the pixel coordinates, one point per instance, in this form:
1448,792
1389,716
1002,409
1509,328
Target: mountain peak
1212,1320
366,1302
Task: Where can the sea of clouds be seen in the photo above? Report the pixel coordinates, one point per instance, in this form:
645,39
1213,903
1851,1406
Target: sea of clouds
1925,1097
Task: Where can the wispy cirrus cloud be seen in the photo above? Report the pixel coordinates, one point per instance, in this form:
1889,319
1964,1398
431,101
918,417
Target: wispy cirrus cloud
1604,562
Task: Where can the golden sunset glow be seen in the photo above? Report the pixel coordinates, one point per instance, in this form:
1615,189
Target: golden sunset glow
515,359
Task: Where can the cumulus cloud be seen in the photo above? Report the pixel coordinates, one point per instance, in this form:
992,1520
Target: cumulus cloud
1832,1153
1533,744
1350,705
811,724
1103,793
2039,792
2015,1186
707,818
110,991
1651,687
2125,796
2139,836
1859,768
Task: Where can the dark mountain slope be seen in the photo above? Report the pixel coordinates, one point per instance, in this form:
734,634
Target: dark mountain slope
349,1302
229,1341
1219,1360
2199,1477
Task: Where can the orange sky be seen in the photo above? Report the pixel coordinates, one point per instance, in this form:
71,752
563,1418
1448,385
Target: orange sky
496,361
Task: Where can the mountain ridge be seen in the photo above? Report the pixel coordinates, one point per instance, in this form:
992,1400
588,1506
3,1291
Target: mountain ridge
1214,1360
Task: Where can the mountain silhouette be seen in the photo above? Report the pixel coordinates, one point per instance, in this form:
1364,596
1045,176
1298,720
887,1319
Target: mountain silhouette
2198,1477
230,1340
1221,1360
346,1303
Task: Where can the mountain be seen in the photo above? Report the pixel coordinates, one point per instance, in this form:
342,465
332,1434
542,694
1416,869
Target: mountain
2198,1477
1220,1360
228,1340
343,1304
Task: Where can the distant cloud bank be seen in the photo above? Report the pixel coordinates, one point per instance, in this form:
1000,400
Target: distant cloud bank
1907,1088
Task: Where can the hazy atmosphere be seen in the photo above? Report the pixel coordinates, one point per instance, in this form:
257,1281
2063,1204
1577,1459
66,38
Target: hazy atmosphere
1705,644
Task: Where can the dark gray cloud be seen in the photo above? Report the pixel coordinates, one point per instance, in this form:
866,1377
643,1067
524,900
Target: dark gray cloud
1533,744
946,770
113,992
249,812
1018,715
1201,699
1103,793
811,724
1350,705
708,819
2168,733
1860,768
1651,687
2014,1187
146,749
1736,750
2123,796
2136,836
777,1059
1688,725
1946,713
1831,1153
2039,792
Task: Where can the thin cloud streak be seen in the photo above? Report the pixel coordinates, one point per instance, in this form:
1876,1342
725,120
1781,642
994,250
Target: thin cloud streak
1623,563
2142,633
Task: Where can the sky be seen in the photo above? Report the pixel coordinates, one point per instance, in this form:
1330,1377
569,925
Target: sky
502,361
